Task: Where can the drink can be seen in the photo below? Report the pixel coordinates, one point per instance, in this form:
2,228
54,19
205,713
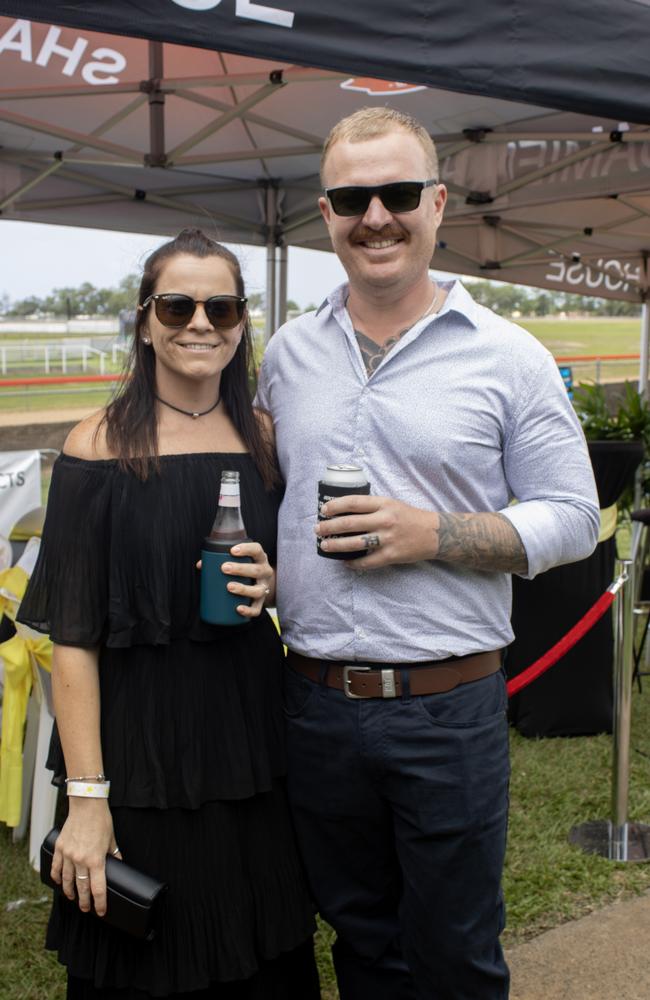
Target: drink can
340,481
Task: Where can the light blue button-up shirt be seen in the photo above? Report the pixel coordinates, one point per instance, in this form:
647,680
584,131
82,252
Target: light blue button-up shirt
465,414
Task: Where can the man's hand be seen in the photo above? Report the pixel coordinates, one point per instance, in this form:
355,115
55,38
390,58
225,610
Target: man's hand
406,534
485,541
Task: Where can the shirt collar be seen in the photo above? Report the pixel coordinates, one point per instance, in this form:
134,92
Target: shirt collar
335,300
461,302
458,300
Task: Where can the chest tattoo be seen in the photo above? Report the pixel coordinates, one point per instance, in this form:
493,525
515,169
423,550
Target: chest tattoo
372,353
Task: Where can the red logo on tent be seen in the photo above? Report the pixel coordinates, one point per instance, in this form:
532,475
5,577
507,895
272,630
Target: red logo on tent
366,85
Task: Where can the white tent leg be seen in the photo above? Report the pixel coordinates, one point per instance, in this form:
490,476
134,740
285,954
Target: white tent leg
283,267
270,291
644,349
271,260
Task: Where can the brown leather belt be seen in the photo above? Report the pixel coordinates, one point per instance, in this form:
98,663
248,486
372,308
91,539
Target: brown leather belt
383,680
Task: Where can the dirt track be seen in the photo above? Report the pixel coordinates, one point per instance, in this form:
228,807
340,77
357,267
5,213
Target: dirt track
38,428
15,418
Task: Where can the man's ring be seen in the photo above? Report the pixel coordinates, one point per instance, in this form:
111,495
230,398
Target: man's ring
371,541
116,851
267,591
81,877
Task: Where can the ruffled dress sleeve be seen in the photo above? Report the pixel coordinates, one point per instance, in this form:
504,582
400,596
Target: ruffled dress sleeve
67,595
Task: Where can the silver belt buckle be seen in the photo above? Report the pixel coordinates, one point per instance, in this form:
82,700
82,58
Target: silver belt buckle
388,689
346,681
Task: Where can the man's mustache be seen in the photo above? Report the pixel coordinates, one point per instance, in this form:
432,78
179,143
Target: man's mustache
362,234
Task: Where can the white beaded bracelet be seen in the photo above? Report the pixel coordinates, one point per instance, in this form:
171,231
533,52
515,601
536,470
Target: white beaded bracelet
83,789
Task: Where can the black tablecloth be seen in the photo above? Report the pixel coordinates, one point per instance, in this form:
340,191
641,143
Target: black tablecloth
574,697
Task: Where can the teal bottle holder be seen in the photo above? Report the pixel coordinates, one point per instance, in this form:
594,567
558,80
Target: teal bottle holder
218,605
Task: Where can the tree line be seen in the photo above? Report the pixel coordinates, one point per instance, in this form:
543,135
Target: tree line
507,300
86,300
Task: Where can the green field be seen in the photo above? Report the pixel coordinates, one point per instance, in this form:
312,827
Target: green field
600,336
30,365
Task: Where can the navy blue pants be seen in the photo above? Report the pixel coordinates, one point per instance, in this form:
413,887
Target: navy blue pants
400,807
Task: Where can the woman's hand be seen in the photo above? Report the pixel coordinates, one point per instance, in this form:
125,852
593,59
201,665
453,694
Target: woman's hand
80,853
262,591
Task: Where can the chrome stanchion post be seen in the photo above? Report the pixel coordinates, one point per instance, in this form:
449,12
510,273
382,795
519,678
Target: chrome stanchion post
617,839
623,669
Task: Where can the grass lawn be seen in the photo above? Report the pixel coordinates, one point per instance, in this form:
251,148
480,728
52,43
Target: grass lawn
22,399
600,335
29,398
555,784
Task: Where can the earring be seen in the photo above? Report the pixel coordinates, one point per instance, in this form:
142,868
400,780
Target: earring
145,340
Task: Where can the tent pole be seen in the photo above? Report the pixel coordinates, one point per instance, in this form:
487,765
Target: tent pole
644,348
271,277
283,267
270,292
645,326
156,157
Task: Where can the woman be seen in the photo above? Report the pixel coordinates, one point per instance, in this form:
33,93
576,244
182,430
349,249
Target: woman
183,718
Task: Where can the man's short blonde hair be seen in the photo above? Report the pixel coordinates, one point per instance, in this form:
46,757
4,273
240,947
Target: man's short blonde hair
369,123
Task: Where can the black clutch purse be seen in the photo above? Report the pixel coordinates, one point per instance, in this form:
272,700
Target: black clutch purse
132,898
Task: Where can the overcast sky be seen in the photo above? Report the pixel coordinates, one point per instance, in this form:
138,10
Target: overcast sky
36,258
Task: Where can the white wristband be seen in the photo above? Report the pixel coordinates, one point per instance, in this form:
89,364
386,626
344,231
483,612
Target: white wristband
89,790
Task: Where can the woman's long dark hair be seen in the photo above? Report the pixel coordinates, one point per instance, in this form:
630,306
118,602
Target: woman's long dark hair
130,417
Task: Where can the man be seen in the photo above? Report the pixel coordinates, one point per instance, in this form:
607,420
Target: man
398,758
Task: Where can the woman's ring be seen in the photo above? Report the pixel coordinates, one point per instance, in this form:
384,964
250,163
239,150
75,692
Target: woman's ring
116,851
267,591
371,541
81,877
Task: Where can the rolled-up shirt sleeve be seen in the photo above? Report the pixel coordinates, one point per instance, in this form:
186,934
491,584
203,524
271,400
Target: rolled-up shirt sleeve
550,476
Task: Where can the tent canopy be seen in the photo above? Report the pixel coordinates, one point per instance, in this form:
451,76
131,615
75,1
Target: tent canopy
113,131
589,56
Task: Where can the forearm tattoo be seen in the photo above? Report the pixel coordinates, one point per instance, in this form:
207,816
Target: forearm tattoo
481,541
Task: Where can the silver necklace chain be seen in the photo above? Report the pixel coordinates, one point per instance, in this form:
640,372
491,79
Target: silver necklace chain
430,308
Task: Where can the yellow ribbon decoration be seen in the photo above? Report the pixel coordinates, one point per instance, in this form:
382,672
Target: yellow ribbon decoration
21,655
276,622
608,517
13,581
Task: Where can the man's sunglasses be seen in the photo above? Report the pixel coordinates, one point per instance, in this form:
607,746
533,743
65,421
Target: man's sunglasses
401,196
172,309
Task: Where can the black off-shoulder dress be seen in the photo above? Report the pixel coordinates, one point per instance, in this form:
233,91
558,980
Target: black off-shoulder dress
192,735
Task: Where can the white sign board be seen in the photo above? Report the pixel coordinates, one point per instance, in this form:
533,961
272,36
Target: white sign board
20,486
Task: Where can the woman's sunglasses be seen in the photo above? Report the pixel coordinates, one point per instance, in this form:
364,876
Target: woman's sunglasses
172,309
401,196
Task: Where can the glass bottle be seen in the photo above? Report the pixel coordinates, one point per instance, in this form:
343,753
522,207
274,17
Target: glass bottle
218,605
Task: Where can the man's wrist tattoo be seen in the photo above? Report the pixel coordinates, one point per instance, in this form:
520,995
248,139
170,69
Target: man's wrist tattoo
487,542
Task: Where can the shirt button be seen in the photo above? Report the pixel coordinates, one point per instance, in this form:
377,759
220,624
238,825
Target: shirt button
360,632
360,451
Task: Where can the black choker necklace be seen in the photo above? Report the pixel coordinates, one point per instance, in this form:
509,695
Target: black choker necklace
190,413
